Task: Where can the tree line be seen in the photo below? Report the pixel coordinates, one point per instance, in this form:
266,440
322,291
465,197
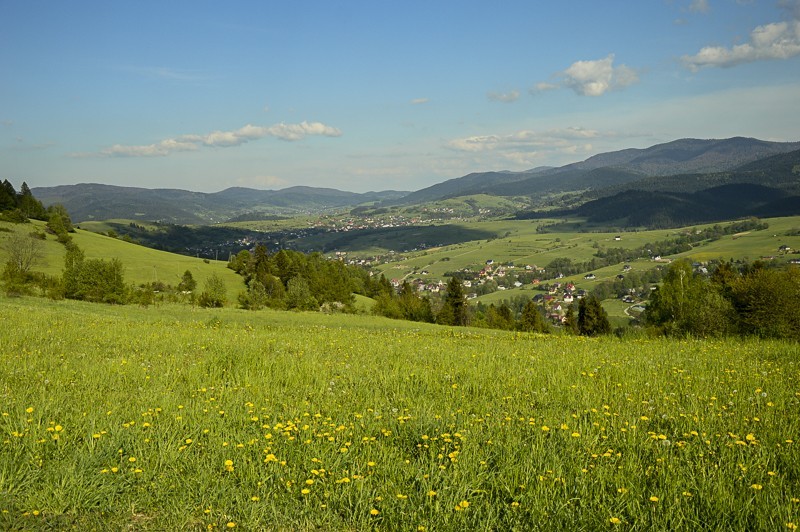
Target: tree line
745,299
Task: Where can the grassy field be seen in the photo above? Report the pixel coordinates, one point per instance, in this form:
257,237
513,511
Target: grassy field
174,418
142,265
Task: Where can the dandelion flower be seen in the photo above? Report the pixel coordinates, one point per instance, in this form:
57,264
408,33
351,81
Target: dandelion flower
374,511
231,524
756,487
615,520
653,499
305,491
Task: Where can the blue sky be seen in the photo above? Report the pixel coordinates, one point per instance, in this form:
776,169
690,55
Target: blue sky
373,95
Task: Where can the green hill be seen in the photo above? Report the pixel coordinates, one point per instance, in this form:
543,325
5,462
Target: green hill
142,265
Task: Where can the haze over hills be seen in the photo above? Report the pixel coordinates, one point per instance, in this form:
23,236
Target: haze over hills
684,167
92,201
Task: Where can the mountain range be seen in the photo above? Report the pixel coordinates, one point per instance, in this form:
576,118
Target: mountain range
690,180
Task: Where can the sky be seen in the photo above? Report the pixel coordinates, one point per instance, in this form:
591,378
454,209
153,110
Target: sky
377,95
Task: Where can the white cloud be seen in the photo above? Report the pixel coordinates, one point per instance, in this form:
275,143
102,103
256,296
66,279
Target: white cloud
592,78
418,101
218,139
526,141
505,97
778,40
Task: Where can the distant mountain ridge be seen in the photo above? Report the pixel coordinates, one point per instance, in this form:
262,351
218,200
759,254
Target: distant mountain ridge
92,201
683,167
618,168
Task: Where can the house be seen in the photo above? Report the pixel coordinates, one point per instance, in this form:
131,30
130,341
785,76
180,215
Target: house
620,277
784,249
617,238
626,268
568,298
590,277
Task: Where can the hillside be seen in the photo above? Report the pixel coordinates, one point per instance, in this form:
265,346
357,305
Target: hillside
615,169
91,201
142,264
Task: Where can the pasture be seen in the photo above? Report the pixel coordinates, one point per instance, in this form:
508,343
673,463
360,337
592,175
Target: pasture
181,418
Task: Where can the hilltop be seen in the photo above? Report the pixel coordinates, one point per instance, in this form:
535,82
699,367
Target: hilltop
684,166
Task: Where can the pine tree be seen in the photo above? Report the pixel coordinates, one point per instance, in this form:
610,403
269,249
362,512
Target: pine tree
592,317
454,310
531,319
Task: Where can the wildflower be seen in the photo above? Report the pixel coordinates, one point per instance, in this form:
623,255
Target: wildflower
132,459
29,410
615,520
374,511
231,524
576,434
255,498
305,491
229,465
653,499
431,493
756,487
545,428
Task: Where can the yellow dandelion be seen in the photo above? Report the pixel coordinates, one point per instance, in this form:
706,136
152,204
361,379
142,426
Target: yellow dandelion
231,524
132,459
791,526
653,499
464,504
305,491
756,487
374,511
431,493
615,520
576,434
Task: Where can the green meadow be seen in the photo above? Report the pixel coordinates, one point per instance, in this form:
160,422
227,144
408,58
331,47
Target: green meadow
141,264
180,418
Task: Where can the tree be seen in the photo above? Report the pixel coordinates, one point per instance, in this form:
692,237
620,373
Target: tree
454,309
8,196
298,295
214,292
532,320
94,280
30,206
688,304
187,284
571,320
24,251
766,302
592,317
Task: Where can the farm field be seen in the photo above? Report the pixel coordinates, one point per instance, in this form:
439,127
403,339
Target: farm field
181,418
519,242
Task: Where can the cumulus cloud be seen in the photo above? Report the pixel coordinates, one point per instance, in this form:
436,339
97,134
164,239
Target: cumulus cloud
218,139
419,101
504,97
592,78
777,40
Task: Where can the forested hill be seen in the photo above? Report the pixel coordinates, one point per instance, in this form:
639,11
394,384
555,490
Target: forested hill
92,201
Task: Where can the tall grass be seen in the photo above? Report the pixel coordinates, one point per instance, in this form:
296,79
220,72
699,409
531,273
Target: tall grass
177,418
